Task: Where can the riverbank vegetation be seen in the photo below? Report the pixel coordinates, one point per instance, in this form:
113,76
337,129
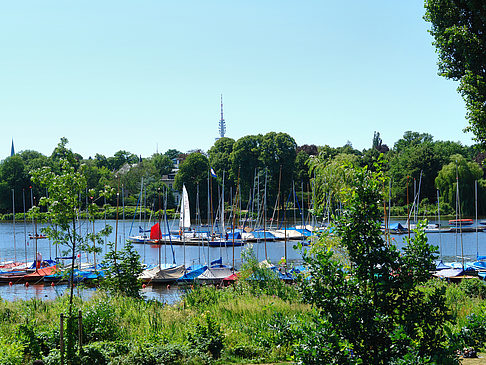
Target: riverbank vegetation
237,324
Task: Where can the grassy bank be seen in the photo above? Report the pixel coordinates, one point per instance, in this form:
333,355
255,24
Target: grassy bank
245,323
231,325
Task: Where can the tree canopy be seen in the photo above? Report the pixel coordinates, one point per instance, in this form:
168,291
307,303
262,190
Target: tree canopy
459,28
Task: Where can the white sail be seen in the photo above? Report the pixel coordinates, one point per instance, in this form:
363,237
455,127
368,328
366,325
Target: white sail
185,218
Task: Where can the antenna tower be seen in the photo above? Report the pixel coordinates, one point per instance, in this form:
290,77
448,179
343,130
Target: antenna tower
222,124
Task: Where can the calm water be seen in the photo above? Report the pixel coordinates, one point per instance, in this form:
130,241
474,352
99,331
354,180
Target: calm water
18,247
21,248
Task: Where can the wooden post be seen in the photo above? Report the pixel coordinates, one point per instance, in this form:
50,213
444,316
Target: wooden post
80,332
61,342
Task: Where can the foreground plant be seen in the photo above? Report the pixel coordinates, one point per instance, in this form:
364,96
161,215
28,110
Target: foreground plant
373,311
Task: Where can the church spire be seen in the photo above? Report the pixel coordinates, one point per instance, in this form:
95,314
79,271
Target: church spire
12,149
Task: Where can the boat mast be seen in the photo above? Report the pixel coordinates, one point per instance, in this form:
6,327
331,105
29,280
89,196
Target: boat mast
265,216
25,228
438,217
235,206
160,231
13,211
476,208
116,221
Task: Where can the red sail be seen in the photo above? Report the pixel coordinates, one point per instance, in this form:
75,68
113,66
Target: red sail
155,233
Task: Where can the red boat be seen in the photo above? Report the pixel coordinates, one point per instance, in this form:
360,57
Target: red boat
461,222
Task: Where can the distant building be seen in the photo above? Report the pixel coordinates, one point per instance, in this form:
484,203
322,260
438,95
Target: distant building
12,149
170,178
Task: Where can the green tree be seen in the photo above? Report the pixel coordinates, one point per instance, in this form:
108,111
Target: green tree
163,165
407,166
193,172
219,160
411,139
329,179
458,28
33,159
124,268
63,205
372,311
245,158
61,152
278,152
467,173
172,153
13,176
120,158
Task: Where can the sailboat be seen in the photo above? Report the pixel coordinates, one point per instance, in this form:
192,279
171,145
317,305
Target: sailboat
161,273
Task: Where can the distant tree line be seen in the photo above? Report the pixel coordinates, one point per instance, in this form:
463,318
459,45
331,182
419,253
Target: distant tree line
258,167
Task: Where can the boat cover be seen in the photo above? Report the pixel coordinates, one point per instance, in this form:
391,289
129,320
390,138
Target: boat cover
159,274
449,273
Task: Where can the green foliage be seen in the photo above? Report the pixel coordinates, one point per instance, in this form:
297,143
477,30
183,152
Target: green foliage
207,337
11,353
164,354
278,152
123,269
458,28
193,172
219,159
375,307
260,279
474,288
99,322
467,173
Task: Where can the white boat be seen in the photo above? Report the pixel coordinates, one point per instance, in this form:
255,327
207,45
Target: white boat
162,274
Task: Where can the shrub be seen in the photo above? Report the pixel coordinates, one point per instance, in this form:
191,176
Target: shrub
99,322
474,288
11,353
207,337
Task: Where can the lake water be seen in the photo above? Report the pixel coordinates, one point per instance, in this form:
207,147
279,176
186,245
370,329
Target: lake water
21,248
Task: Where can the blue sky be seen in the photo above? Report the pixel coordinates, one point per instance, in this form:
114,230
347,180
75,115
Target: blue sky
112,75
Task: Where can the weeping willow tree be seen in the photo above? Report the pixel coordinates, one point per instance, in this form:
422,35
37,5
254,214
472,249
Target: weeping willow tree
459,171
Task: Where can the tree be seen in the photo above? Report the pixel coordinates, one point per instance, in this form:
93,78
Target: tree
120,158
378,143
278,153
163,165
63,206
245,161
33,159
123,269
372,311
13,176
408,165
458,28
61,152
330,178
193,172
411,139
219,159
467,173
172,153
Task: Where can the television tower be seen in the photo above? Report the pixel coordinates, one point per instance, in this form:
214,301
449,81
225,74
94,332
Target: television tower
222,124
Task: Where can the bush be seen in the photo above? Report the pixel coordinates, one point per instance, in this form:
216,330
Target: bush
11,353
99,322
207,337
164,354
473,333
474,288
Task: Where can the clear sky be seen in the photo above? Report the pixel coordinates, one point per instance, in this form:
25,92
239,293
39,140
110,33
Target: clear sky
134,75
